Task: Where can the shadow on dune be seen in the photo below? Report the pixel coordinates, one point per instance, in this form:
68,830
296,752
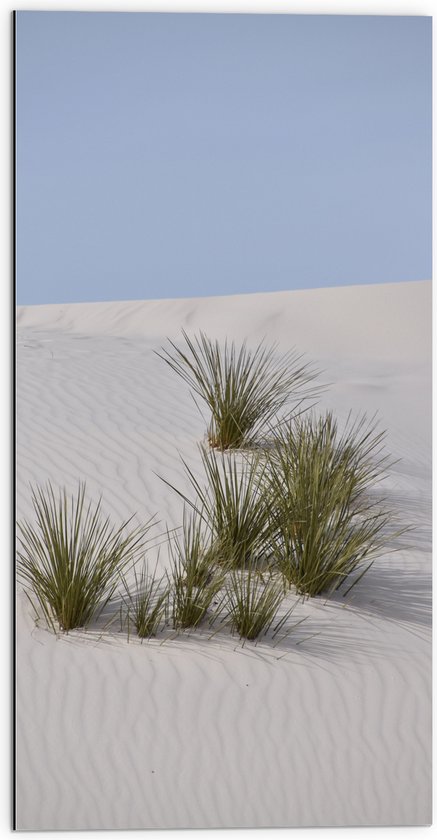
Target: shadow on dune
318,633
394,592
397,588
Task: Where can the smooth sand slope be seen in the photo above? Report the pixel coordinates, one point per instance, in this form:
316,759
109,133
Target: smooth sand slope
332,726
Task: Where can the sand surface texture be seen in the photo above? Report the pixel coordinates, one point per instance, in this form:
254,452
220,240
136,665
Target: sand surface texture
329,728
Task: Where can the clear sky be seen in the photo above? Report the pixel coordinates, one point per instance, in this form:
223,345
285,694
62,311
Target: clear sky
178,155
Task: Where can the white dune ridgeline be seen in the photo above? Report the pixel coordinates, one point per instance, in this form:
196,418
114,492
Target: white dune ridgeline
330,727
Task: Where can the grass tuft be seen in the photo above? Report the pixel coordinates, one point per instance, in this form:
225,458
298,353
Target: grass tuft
253,601
194,550
194,580
71,558
243,389
327,524
146,602
233,505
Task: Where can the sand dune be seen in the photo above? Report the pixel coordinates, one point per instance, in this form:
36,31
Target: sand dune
331,726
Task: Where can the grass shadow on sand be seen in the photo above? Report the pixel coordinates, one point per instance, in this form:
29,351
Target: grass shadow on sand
318,632
392,591
398,586
321,630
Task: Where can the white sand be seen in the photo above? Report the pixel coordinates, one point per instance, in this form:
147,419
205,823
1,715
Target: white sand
329,729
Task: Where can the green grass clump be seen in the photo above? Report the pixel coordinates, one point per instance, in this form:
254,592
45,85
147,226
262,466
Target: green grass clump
71,558
327,524
253,601
243,389
194,550
194,580
234,506
145,602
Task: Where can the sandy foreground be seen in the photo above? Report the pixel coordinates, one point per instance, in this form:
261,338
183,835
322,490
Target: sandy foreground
332,727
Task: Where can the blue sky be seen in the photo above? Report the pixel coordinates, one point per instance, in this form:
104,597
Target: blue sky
178,155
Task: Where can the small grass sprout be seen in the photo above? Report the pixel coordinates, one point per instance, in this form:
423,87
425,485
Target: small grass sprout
146,601
253,601
327,521
70,559
243,389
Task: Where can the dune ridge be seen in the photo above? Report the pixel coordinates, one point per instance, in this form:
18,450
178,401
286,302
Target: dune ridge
329,728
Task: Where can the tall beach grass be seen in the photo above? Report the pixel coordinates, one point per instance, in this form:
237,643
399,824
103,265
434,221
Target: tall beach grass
194,579
145,601
69,558
242,388
327,520
252,602
233,504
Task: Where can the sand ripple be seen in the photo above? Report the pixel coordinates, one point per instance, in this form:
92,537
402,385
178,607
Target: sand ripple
332,727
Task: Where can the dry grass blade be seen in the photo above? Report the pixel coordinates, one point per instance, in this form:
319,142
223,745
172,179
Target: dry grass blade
71,558
243,389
